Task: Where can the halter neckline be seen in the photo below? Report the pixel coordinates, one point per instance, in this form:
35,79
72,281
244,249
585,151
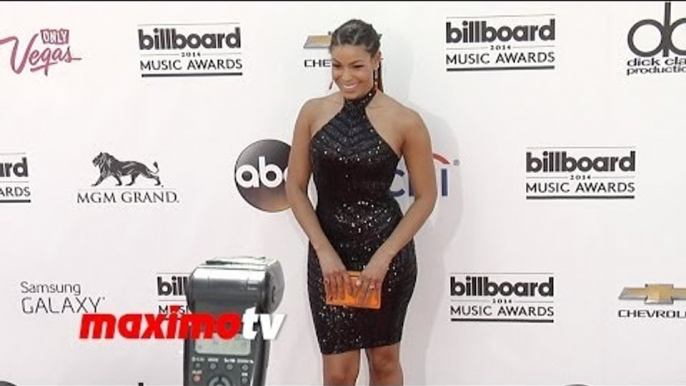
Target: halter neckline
362,101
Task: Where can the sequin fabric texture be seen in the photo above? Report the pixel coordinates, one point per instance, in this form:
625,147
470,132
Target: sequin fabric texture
353,168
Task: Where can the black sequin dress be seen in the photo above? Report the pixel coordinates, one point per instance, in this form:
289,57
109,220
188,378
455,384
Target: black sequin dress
353,168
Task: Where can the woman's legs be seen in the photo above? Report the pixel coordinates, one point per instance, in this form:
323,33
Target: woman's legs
384,365
341,369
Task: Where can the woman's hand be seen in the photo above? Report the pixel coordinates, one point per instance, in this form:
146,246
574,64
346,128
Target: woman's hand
372,277
336,277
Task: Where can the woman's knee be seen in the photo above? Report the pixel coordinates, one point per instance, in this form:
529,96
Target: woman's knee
341,370
338,376
384,360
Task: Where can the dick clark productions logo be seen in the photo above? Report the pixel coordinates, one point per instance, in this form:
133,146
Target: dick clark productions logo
671,56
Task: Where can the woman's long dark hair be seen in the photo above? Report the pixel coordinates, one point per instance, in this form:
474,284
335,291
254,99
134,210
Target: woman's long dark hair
356,32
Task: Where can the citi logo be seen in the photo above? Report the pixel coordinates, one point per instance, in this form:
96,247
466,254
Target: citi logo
442,170
171,39
174,285
482,286
560,161
666,30
260,174
479,31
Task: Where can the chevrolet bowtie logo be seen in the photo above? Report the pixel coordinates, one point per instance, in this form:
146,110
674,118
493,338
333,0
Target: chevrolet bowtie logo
317,41
654,294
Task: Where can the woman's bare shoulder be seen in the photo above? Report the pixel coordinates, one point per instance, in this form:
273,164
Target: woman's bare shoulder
403,117
314,107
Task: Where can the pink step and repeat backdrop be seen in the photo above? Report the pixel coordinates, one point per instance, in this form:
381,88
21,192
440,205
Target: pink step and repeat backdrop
555,254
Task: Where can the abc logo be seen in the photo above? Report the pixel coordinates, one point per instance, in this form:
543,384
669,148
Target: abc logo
666,31
261,174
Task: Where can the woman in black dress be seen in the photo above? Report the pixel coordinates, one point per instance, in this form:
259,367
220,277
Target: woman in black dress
351,142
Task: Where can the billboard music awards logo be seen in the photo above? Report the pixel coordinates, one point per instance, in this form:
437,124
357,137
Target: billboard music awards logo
317,47
493,43
14,179
45,49
653,301
658,44
212,49
116,180
171,292
502,297
57,298
578,173
260,174
401,184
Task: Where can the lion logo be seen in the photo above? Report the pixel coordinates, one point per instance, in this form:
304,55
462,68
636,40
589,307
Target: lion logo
112,167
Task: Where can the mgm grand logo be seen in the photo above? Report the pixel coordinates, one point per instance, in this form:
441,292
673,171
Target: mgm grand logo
146,190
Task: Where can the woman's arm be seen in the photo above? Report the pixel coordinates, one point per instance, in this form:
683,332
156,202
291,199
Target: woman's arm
299,171
419,161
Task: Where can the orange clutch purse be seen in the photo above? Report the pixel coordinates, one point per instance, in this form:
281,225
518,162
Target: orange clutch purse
373,300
